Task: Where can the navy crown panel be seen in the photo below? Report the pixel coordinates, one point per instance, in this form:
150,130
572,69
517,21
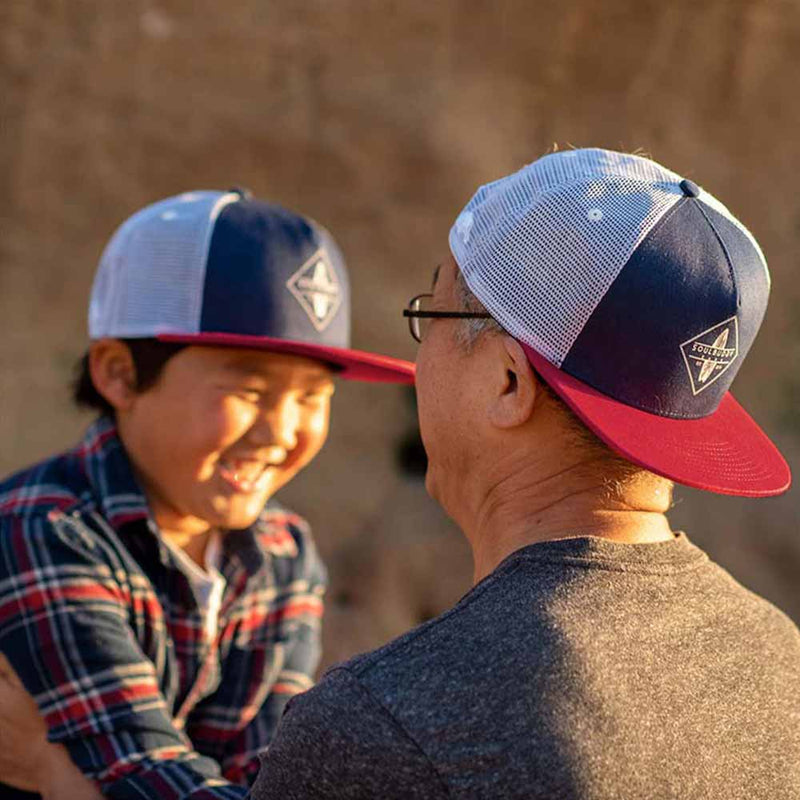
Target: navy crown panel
273,273
752,281
671,332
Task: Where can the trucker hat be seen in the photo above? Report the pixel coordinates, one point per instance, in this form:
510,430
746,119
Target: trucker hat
636,296
222,268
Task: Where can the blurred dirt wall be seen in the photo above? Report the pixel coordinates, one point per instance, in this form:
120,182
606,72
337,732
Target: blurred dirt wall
380,119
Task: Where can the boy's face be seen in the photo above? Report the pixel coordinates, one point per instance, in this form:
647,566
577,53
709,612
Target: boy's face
222,430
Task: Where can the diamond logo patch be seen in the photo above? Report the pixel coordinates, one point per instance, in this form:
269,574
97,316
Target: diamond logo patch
316,287
709,354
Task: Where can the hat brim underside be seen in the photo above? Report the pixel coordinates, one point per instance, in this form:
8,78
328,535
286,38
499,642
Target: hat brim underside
354,365
725,452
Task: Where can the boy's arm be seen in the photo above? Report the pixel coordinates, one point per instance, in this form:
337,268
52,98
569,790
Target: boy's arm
64,629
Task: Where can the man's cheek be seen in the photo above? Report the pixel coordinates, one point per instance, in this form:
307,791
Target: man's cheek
425,397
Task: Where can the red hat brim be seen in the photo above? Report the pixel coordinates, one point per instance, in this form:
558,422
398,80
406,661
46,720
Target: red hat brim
354,365
725,452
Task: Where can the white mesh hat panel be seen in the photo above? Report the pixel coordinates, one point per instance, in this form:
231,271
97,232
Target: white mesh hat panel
151,274
540,248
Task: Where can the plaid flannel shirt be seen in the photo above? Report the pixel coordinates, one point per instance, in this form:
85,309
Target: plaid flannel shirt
103,629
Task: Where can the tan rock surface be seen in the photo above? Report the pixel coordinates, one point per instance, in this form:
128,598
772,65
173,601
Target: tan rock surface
380,118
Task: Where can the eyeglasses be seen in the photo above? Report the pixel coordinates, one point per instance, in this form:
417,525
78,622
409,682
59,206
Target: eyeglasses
419,315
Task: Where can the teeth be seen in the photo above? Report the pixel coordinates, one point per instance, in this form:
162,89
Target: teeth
243,477
248,472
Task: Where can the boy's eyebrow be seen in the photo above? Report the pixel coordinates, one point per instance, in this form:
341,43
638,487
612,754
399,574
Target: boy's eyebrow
244,368
240,366
436,275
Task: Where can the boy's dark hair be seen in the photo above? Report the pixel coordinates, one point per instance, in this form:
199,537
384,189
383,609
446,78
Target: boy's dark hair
149,357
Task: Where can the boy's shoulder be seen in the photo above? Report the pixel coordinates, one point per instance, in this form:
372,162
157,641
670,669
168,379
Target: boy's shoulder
56,484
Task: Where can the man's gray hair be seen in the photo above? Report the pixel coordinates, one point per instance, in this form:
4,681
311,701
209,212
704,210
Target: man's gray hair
471,330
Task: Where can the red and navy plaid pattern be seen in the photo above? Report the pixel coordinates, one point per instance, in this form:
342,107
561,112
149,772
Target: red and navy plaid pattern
104,630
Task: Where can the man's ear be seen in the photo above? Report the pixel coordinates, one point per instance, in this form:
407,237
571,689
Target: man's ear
515,386
113,372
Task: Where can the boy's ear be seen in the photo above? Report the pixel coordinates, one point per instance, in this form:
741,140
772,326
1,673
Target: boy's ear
515,386
113,372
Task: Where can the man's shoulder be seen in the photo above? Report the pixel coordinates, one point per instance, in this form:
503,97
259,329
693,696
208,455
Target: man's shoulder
551,616
340,740
444,641
55,485
758,620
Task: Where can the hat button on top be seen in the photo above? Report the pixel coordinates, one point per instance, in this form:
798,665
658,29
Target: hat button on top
245,194
689,188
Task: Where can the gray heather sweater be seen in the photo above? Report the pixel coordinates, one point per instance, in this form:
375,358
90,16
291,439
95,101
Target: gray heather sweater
580,669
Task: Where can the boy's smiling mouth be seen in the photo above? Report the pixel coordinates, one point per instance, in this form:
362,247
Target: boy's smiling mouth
248,475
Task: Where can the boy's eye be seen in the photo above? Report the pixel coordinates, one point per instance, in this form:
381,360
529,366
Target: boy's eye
315,397
248,395
258,396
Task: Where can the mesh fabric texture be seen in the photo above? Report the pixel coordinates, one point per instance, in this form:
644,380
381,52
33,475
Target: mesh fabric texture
151,274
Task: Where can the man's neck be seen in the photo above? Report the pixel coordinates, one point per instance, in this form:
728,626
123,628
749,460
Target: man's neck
521,510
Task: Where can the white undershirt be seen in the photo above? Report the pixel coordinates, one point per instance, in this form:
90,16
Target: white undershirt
207,584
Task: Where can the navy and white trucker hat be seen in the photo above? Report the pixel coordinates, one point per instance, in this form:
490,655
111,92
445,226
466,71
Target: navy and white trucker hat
636,296
222,268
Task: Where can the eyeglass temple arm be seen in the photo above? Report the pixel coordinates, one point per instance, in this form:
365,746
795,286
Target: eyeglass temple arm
407,312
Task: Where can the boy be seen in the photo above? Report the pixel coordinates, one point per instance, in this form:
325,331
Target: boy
160,616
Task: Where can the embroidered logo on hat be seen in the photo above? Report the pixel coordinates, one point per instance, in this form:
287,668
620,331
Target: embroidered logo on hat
709,354
316,288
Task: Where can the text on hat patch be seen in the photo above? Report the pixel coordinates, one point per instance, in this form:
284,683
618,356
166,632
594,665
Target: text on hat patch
709,354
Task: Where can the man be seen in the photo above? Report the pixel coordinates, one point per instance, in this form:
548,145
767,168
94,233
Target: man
157,612
600,655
